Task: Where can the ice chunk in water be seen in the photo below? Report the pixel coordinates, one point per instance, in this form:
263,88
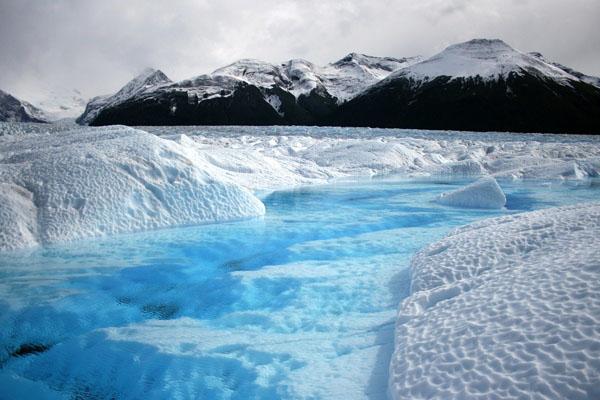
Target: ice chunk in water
484,193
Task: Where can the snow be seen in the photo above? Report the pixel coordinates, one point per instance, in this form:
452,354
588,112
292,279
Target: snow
55,185
275,102
58,103
488,59
504,308
93,182
13,109
301,304
269,158
484,193
342,79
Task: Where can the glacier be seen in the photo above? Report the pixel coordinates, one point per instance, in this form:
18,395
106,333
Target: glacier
63,182
303,301
87,183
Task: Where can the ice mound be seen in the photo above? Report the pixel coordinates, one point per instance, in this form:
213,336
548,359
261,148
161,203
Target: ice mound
91,182
483,193
504,308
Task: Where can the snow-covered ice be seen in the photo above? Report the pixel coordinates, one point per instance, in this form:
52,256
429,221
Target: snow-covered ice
93,182
484,193
61,195
504,308
303,302
268,158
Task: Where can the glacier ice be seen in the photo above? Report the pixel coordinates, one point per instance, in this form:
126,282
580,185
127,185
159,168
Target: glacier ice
90,182
506,307
483,193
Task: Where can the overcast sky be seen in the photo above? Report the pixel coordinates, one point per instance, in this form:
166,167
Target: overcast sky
97,46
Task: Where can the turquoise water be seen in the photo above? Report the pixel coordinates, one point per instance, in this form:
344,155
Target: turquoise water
298,304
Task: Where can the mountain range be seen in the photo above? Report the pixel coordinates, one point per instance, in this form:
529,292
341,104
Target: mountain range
480,85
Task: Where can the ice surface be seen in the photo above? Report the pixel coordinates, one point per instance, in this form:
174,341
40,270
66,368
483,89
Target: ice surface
484,193
268,158
303,302
257,158
504,308
91,182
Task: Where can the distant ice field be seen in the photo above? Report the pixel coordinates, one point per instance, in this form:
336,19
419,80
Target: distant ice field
300,303
361,133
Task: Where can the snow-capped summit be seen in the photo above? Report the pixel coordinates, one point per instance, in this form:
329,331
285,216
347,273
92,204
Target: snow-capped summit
486,58
360,71
378,66
255,72
479,85
149,79
14,110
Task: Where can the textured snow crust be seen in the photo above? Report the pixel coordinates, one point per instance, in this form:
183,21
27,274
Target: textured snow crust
507,307
92,182
484,193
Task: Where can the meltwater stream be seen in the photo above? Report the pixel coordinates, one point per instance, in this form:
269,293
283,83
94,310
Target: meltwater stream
298,304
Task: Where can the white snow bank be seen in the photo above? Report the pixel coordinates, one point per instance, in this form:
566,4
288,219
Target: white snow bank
91,182
483,193
507,307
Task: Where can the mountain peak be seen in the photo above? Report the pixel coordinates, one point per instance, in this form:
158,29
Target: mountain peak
149,77
485,58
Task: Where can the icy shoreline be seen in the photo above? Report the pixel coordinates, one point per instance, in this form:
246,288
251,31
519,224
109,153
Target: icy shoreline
503,308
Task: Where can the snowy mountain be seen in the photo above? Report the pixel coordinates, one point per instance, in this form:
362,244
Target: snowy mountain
15,110
247,91
150,79
482,85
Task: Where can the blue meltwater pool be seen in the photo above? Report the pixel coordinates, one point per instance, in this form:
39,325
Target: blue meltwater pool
298,304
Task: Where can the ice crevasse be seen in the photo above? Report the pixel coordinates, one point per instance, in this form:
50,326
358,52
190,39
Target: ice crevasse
91,182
